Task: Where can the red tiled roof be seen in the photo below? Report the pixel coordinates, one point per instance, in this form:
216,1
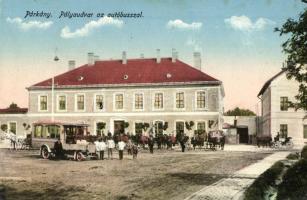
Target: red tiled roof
136,71
13,110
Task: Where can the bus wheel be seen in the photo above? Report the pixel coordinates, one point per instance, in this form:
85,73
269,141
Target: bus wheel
45,153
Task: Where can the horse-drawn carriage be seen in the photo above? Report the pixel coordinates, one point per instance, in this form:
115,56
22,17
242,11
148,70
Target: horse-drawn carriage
278,143
282,142
68,139
17,142
213,140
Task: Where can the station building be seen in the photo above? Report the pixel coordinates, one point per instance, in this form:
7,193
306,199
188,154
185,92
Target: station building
126,93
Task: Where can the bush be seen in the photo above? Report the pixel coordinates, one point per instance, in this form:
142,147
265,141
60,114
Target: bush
294,185
293,156
258,190
4,127
304,152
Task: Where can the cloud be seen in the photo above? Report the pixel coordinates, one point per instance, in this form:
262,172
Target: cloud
87,28
244,23
179,24
29,24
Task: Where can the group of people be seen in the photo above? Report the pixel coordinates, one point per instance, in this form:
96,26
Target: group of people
109,145
121,142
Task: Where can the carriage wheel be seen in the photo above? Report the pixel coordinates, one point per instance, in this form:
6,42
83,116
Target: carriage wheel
277,145
290,144
45,153
79,156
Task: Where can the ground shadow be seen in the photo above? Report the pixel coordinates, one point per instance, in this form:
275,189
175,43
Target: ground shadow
197,178
46,192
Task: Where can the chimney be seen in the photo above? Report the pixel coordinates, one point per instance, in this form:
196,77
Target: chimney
197,60
90,59
96,58
158,56
71,64
235,122
174,55
142,55
124,58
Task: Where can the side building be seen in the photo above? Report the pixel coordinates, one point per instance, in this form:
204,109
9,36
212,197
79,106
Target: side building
124,94
14,120
277,117
240,129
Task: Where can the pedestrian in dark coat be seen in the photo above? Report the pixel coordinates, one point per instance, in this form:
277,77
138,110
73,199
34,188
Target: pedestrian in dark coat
58,149
151,143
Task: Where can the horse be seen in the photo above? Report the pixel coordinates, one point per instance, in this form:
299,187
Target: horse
143,140
198,140
264,141
162,141
216,138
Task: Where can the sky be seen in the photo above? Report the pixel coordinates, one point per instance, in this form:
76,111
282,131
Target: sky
236,39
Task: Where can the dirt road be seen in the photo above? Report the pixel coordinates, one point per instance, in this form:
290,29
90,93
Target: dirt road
163,175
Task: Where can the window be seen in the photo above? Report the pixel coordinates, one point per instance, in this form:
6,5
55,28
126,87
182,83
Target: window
80,102
43,103
138,128
138,101
99,102
283,103
100,126
62,102
38,129
180,100
53,131
12,127
158,101
201,126
119,101
283,130
201,99
305,131
47,131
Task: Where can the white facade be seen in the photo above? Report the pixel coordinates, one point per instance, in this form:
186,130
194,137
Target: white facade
109,114
276,119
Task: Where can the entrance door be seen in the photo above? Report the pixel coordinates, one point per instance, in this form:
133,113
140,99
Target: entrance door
119,127
243,135
158,128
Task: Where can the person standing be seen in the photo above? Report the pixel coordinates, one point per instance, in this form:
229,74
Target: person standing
134,151
111,146
58,149
151,143
121,147
194,141
183,142
102,148
129,147
97,145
